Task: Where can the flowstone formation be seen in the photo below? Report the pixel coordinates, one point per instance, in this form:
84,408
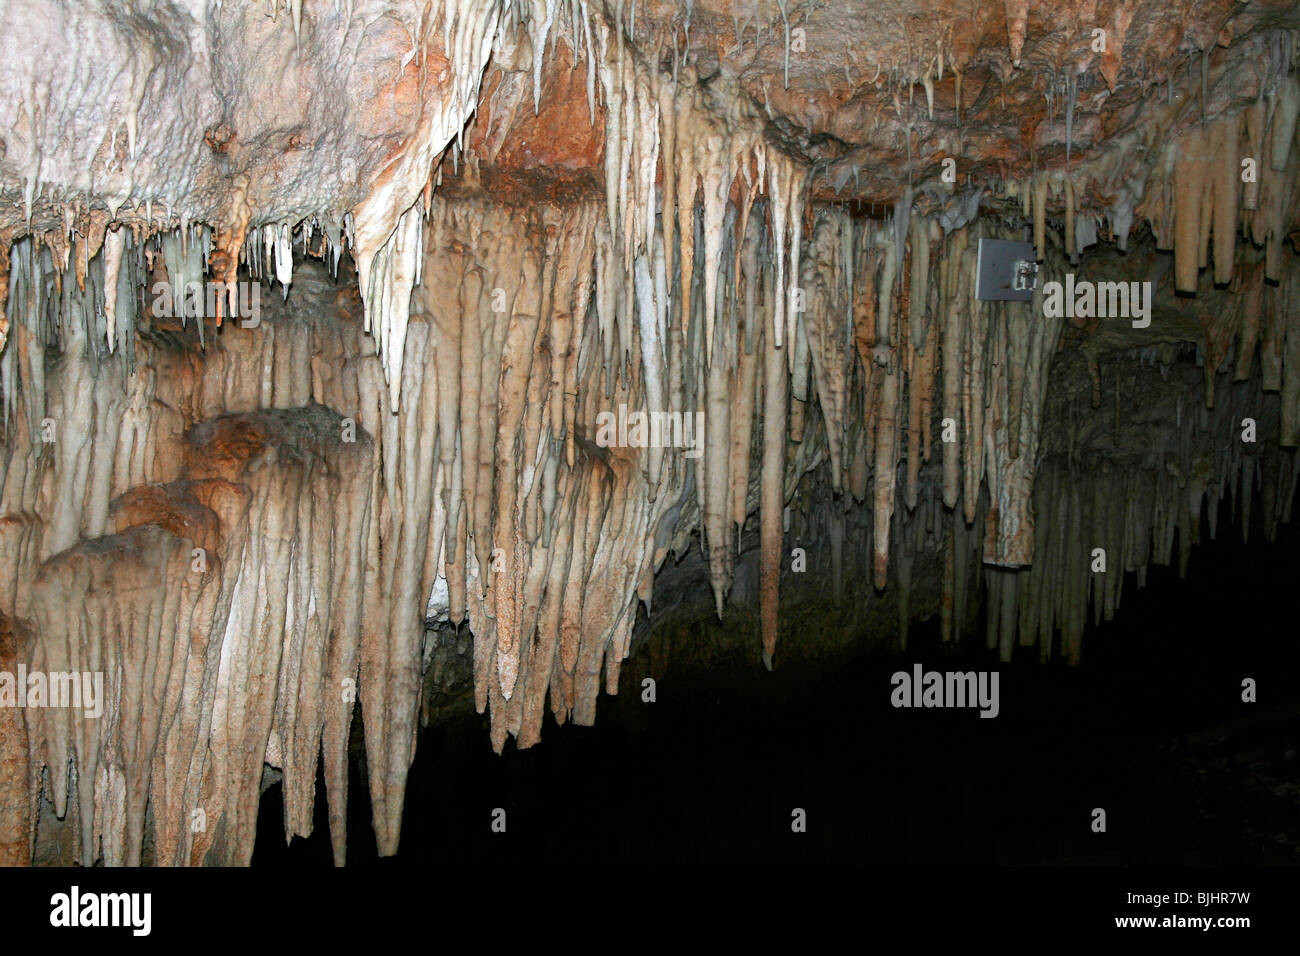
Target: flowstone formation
334,327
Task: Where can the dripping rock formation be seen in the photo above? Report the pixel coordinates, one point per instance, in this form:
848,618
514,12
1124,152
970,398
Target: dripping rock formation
366,358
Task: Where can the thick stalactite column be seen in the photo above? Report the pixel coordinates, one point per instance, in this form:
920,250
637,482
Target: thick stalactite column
772,495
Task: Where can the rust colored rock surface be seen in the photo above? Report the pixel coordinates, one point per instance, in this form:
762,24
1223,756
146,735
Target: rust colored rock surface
16,803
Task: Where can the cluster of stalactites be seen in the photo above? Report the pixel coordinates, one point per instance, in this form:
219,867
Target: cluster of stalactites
1100,520
827,326
220,604
1236,173
94,289
383,230
1203,170
704,285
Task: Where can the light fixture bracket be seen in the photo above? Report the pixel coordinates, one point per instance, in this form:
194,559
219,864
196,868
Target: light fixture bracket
1006,271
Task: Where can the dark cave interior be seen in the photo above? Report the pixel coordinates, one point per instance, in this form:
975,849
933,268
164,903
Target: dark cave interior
1151,727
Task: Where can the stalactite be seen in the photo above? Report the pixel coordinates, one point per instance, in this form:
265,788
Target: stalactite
479,484
1071,249
1189,185
716,479
973,396
1226,185
1040,217
885,471
1253,131
1017,13
772,498
1286,109
953,330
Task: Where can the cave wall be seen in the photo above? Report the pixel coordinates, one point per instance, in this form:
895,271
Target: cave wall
250,523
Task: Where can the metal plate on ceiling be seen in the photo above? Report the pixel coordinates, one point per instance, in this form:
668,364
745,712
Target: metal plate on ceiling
1005,270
